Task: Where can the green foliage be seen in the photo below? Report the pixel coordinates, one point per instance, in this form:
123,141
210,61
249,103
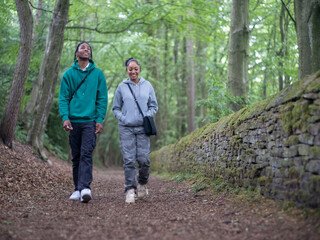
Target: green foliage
181,177
155,33
20,133
56,139
217,100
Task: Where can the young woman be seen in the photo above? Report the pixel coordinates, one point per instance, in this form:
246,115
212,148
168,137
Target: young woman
134,143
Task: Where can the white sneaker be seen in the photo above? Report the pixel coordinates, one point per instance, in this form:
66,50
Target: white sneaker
86,195
142,191
130,196
75,195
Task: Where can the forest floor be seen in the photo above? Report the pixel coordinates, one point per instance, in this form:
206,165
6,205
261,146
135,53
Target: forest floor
34,204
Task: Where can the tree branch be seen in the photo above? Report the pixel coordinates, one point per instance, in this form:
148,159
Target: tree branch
294,21
107,43
117,31
40,8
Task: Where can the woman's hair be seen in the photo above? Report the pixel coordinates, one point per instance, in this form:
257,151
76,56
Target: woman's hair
129,60
75,56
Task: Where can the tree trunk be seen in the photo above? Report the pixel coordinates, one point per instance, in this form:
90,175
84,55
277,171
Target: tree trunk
35,87
10,116
82,24
165,87
191,85
154,70
282,48
307,14
201,76
190,78
237,75
49,74
183,84
179,118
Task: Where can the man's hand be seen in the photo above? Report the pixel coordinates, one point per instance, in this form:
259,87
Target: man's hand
67,125
99,128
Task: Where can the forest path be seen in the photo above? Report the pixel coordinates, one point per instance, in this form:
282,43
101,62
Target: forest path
34,205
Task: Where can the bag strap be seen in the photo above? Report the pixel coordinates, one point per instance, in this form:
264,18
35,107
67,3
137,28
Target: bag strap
135,99
83,80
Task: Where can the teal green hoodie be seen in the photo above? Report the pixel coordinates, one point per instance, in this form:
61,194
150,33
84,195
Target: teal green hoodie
91,99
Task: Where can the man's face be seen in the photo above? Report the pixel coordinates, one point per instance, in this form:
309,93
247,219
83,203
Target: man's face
84,51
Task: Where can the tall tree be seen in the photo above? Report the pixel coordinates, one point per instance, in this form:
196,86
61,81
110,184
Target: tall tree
201,75
10,116
190,78
49,73
35,88
307,14
237,75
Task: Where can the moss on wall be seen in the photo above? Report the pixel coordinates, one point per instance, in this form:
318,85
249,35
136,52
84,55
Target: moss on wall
268,145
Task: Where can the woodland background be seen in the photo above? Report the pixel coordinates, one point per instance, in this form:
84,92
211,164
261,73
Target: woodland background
186,49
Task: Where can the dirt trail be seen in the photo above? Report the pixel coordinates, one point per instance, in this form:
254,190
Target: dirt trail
34,205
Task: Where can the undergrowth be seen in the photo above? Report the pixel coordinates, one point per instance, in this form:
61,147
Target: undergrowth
198,183
249,195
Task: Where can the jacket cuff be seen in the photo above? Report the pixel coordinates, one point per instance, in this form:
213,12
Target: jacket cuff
65,117
99,120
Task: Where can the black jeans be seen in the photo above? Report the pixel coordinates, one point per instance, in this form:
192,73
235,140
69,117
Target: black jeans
82,141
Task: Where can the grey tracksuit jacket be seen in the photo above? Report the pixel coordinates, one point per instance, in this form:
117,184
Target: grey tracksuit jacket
125,108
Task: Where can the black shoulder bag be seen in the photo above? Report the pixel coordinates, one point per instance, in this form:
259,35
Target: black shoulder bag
148,123
80,84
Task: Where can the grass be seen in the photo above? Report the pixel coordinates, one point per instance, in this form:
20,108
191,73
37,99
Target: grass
198,183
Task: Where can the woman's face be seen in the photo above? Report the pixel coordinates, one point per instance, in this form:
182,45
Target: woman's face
84,51
133,70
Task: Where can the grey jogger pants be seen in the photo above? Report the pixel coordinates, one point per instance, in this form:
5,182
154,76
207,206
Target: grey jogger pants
135,147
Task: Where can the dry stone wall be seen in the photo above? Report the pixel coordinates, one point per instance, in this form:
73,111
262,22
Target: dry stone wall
273,146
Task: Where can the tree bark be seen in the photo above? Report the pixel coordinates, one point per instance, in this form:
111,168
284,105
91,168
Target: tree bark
282,48
201,76
154,70
180,117
165,87
49,74
307,14
10,116
237,75
190,78
35,87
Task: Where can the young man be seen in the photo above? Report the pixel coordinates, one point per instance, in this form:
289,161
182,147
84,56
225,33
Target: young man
83,100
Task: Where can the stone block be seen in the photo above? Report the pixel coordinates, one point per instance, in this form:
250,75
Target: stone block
314,110
315,152
317,102
292,151
276,152
311,96
287,162
300,161
314,129
271,144
279,142
317,140
303,150
270,129
313,119
291,140
306,138
275,163
313,166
